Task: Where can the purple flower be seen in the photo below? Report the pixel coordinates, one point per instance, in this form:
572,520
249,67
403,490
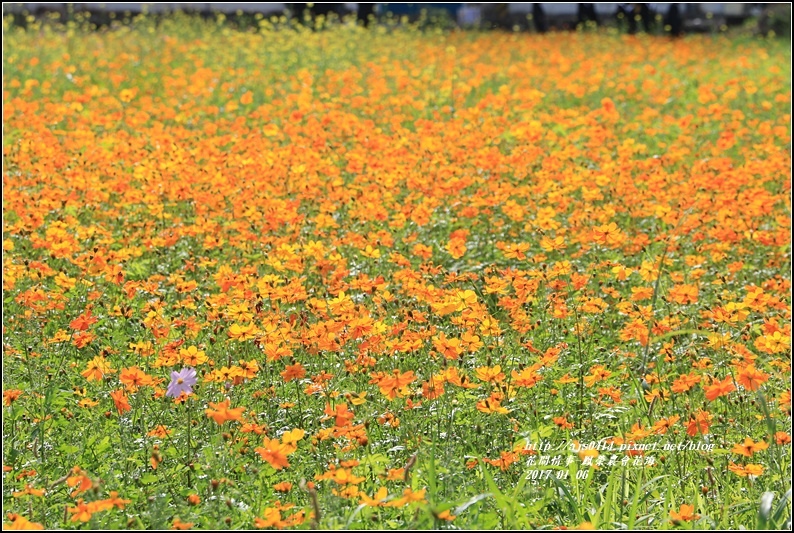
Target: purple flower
181,381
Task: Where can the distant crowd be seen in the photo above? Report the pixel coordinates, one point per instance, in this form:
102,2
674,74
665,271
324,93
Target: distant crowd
671,19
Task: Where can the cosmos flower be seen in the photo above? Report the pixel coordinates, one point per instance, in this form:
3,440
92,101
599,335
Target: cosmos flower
181,381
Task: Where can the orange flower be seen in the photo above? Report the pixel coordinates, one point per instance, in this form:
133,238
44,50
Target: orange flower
220,412
562,422
120,400
19,522
79,480
275,453
293,436
445,515
753,470
719,388
552,244
242,333
342,476
470,342
81,339
342,416
295,371
639,294
82,512
178,524
422,251
10,396
685,382
492,404
97,368
155,458
784,401
433,388
392,385
566,379
457,248
284,486
597,373
251,427
409,496
452,376
192,356
504,461
514,251
126,95
490,374
684,514
684,294
28,490
699,423
449,348
377,500
773,343
133,377
160,431
748,447
82,322
248,369
608,235
662,426
115,501
751,378
271,518
528,377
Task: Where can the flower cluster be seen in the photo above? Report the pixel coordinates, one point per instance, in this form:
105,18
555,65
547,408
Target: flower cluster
379,261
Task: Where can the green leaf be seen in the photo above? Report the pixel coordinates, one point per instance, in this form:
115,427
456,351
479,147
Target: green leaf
103,445
471,501
68,449
148,479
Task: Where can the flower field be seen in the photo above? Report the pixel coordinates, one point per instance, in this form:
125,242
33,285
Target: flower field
394,278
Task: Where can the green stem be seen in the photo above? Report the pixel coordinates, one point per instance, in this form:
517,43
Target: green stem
189,454
653,307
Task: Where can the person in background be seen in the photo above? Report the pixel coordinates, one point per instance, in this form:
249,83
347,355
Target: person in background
626,12
539,18
586,13
632,12
674,20
303,11
365,11
646,16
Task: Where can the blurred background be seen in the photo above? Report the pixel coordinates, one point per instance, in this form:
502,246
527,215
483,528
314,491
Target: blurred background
657,18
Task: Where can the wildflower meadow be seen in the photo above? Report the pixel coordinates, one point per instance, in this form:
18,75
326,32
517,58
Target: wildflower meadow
395,277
